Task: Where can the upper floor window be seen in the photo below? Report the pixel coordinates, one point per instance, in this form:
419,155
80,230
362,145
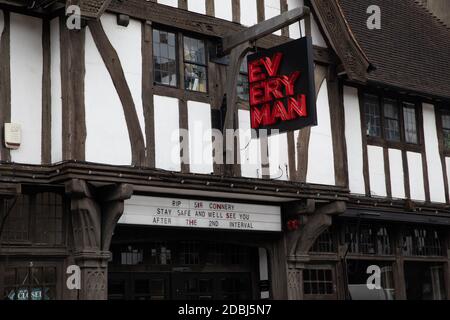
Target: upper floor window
409,116
195,69
390,119
445,116
164,57
242,85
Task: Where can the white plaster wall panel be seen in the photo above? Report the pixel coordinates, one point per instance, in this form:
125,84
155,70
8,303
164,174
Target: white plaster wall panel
397,176
317,37
200,144
278,157
172,3
26,85
353,140
55,70
435,174
320,154
167,133
249,12
127,43
376,171
250,149
272,8
223,9
107,139
294,29
416,185
198,6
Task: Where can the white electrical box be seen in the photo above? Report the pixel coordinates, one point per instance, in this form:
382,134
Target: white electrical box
13,135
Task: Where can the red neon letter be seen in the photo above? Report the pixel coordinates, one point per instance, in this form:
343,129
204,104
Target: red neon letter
255,72
260,117
279,112
272,89
256,93
289,82
297,107
272,65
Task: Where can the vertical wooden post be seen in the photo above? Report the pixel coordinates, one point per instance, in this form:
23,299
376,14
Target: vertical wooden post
399,267
147,92
72,86
46,95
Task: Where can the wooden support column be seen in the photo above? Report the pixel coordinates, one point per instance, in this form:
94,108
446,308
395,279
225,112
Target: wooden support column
147,92
231,145
5,82
278,270
398,266
210,10
236,7
447,266
284,8
94,213
337,128
46,140
72,88
314,220
302,146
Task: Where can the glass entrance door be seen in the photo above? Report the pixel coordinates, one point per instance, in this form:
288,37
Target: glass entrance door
179,286
138,286
212,286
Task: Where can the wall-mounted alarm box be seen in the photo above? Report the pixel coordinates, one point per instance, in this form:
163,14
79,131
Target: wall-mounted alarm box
13,135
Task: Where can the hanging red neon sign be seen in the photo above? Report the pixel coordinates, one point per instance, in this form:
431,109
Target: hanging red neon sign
281,87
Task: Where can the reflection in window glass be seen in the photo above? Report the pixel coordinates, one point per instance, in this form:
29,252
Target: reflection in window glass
242,85
195,71
409,116
392,123
372,115
446,129
164,57
422,241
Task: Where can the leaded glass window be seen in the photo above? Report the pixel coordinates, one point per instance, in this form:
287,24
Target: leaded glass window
372,114
391,120
164,58
195,70
409,117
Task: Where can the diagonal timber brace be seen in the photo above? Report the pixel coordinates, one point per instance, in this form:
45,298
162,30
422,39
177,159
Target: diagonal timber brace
237,46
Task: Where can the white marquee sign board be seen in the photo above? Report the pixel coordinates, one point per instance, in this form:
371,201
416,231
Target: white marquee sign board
172,212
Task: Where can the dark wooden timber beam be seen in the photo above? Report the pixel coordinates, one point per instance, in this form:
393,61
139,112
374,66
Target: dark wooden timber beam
263,29
201,24
112,63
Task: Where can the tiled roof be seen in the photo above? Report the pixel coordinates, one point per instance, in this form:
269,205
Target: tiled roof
411,51
93,8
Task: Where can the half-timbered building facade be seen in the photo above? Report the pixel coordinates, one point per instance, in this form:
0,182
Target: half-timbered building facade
112,159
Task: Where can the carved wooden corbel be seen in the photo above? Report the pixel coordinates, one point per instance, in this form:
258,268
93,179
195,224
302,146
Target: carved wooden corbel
95,212
112,204
300,241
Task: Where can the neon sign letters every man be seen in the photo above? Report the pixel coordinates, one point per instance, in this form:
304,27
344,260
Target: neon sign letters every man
267,87
281,87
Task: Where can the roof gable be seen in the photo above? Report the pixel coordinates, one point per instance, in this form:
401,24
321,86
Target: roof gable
410,52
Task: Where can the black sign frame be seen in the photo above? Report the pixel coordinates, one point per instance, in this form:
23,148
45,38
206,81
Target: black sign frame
298,55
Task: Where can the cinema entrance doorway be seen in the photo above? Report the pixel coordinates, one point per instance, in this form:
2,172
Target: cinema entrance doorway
152,264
